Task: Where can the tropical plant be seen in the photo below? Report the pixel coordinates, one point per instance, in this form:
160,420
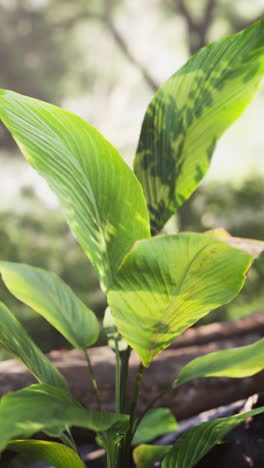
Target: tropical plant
157,286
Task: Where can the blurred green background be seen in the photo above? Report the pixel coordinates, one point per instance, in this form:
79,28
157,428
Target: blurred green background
104,60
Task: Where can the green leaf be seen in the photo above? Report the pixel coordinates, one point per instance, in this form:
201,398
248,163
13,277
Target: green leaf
195,443
237,362
101,198
15,339
58,455
155,423
48,295
41,407
110,439
188,115
167,283
146,455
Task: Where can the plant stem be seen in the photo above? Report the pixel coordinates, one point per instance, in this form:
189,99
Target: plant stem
124,358
129,436
117,377
124,375
108,460
111,458
136,394
94,382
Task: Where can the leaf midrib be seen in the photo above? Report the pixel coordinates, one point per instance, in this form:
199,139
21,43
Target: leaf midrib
175,294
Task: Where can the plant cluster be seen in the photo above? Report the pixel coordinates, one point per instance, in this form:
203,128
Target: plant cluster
157,286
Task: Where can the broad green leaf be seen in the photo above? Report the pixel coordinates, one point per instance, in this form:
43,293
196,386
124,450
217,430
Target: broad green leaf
48,295
236,362
42,407
58,455
167,283
146,455
101,198
155,423
188,115
15,339
195,443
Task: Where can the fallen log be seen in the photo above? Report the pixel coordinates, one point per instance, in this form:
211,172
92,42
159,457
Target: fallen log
192,398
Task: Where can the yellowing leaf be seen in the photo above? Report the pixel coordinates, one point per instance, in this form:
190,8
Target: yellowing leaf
167,283
251,246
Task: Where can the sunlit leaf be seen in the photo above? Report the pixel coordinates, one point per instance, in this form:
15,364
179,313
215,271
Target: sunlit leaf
252,246
146,455
58,455
48,295
101,198
15,339
195,443
42,407
167,283
155,423
188,115
236,362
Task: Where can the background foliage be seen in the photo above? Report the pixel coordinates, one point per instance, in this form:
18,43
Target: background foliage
107,54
